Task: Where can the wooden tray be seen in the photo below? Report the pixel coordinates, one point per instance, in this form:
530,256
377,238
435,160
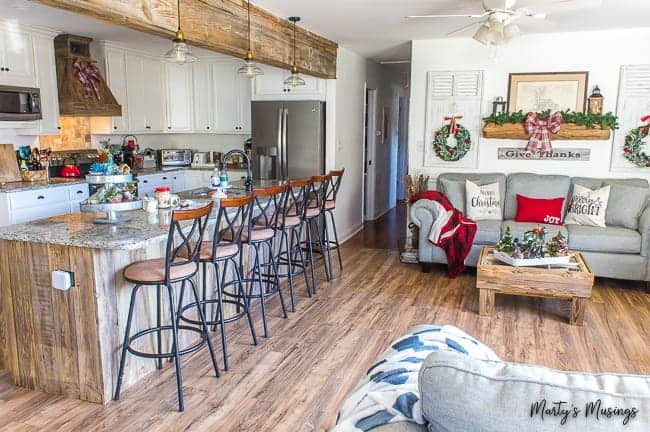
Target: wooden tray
532,262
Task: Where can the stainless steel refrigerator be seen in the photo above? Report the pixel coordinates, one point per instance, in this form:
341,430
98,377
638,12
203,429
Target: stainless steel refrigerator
288,139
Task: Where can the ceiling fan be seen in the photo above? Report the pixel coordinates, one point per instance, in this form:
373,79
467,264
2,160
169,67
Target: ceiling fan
498,21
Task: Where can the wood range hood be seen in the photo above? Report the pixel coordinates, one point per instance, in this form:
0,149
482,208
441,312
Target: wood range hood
82,89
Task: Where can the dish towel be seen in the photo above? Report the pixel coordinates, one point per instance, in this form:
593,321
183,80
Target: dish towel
389,392
451,231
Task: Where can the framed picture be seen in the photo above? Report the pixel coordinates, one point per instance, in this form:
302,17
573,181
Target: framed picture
542,91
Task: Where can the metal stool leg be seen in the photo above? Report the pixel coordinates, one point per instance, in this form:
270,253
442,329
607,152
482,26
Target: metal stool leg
206,333
125,345
222,323
298,250
327,246
245,302
277,279
336,239
284,241
322,248
257,269
177,356
311,256
159,363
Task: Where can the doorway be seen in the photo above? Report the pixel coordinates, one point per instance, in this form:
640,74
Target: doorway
370,128
402,148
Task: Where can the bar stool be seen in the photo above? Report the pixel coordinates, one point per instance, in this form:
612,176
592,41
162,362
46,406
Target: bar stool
313,214
232,217
259,235
330,206
180,265
290,224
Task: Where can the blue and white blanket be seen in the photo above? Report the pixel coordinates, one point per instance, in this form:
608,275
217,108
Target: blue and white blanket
389,393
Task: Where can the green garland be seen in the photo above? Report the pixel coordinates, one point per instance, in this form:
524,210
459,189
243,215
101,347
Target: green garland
633,148
590,120
446,152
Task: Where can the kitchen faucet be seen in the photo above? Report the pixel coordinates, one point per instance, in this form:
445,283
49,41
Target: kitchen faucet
248,184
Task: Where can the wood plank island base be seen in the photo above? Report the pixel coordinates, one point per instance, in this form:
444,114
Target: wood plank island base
572,283
68,342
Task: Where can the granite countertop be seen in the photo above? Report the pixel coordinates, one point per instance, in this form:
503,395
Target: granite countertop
53,182
79,229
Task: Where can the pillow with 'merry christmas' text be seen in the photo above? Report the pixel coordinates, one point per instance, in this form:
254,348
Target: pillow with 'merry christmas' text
482,202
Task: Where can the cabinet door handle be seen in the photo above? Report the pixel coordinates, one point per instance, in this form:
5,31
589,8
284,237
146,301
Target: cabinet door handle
6,69
40,197
169,127
145,181
148,127
79,192
207,127
2,69
115,127
164,178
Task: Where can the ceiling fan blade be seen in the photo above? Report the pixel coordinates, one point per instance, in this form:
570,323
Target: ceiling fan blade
449,16
458,30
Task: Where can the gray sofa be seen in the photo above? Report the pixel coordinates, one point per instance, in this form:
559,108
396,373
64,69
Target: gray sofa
617,251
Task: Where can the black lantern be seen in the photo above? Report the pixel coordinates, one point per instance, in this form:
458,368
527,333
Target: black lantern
499,106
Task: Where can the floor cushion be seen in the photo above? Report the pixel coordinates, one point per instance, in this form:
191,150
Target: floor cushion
609,239
519,228
461,393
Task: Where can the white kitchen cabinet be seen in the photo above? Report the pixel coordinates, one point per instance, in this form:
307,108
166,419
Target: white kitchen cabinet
16,58
270,86
116,79
178,82
203,96
154,95
47,82
178,181
40,203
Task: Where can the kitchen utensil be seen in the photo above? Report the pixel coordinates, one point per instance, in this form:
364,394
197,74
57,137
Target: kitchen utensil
9,171
70,170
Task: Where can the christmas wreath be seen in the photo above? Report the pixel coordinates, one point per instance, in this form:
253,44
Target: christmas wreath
447,152
633,148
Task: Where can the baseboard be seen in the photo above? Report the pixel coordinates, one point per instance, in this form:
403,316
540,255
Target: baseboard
379,215
351,234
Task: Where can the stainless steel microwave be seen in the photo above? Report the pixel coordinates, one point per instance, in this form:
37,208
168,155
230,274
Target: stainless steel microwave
20,103
174,157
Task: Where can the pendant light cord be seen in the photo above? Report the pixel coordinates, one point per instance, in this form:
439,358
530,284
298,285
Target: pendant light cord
294,43
249,25
178,9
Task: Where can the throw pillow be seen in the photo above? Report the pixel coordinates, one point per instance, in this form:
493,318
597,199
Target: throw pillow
482,202
540,210
588,207
625,205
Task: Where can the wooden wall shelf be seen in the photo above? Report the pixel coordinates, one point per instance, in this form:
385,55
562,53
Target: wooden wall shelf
568,131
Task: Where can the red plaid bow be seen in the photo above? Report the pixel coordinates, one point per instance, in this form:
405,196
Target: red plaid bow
452,126
539,131
89,77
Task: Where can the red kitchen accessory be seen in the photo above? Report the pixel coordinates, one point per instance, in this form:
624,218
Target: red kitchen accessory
70,170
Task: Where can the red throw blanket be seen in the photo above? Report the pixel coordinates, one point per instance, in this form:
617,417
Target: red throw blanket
452,232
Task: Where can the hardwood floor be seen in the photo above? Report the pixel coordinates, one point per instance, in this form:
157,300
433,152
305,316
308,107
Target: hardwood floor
296,380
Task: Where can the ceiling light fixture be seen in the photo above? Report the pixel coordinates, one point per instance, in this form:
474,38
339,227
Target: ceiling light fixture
249,68
294,80
493,32
179,53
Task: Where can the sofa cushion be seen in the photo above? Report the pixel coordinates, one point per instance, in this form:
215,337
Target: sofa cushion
453,185
534,186
519,228
609,239
626,203
488,233
460,393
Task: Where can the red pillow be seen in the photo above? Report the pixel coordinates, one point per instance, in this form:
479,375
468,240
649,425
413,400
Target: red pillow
541,210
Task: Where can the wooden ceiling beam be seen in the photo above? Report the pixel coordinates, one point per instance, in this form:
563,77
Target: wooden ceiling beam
217,25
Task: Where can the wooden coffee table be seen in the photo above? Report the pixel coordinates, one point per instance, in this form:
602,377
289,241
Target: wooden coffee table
571,283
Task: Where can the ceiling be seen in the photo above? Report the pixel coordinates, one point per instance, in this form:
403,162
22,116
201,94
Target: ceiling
377,28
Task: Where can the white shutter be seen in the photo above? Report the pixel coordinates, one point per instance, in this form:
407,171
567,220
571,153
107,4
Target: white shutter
453,93
633,103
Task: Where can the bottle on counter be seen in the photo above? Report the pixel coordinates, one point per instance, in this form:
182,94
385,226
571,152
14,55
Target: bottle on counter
215,179
224,179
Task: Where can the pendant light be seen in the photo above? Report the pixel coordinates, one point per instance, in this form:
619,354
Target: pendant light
179,53
249,68
294,80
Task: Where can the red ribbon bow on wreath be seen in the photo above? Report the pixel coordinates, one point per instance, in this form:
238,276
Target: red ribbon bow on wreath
539,129
452,126
89,77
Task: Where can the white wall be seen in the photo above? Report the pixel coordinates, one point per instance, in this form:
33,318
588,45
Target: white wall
347,143
195,142
602,53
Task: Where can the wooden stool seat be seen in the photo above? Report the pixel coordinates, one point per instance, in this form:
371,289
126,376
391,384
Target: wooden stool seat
225,250
153,271
285,221
312,212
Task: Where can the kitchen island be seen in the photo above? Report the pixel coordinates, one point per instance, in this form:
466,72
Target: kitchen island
68,342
